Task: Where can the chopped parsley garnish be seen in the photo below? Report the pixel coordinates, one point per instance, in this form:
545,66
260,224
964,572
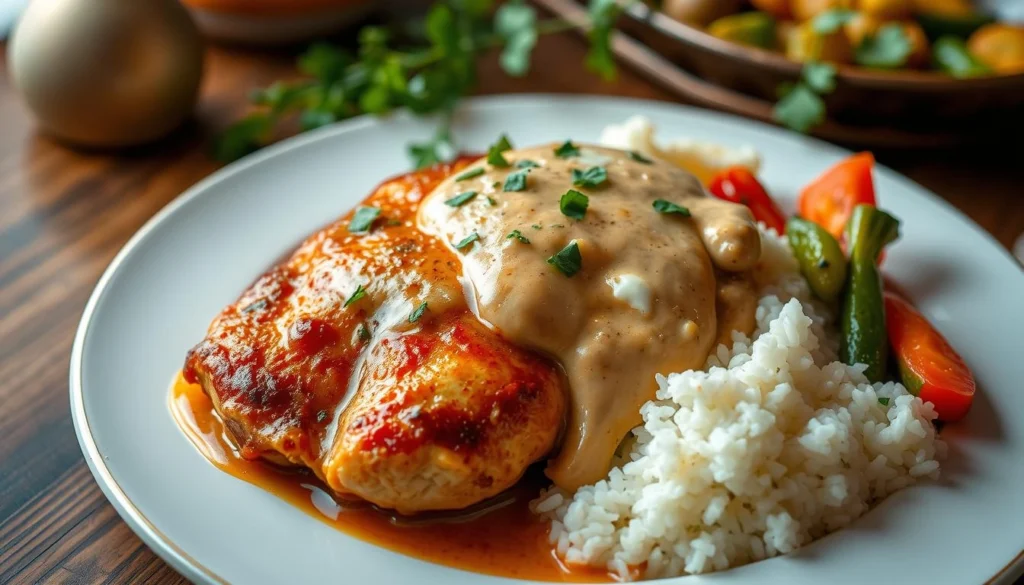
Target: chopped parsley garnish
527,164
591,177
567,260
491,201
362,219
518,235
255,306
574,204
321,416
460,199
640,158
883,400
416,314
516,181
567,150
467,241
886,49
358,294
536,226
829,21
662,206
363,332
494,153
470,174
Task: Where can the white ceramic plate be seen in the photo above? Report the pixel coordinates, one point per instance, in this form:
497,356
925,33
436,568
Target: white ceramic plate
159,294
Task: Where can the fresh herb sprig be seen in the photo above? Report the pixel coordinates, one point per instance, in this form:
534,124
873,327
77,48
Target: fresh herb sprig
427,78
801,106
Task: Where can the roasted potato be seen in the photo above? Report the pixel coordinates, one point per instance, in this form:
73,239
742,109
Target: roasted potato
861,26
920,48
886,9
1000,46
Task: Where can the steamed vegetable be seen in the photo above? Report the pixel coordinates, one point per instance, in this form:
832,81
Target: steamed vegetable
739,185
829,200
821,260
929,367
863,317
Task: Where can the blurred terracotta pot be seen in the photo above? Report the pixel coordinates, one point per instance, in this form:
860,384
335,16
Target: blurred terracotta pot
274,22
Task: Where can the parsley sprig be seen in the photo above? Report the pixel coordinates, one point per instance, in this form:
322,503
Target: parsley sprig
428,76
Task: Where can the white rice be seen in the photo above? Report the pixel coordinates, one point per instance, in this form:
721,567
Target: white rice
773,445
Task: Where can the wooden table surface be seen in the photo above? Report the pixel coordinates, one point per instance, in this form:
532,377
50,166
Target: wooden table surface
64,214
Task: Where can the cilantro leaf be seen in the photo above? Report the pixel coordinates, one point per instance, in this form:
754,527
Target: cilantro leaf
467,241
359,293
472,173
820,77
567,150
519,236
516,181
418,312
801,109
568,260
831,20
952,56
526,164
634,155
667,207
494,153
886,49
591,177
363,219
460,199
573,204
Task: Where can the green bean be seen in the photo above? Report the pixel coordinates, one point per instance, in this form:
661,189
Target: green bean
821,259
864,338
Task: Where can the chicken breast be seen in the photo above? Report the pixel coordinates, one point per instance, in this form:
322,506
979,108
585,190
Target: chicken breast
359,359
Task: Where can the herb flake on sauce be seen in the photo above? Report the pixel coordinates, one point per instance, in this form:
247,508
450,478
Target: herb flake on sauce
634,155
527,164
518,235
418,312
362,219
494,153
568,260
516,181
590,177
359,293
662,206
470,174
460,199
467,241
574,204
567,150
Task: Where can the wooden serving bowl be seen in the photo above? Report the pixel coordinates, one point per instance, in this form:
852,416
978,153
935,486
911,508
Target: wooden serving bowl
900,108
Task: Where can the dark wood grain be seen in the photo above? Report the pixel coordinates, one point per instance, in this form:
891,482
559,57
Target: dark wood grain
63,216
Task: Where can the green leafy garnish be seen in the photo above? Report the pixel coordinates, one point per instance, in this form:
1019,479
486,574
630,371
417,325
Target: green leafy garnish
526,164
536,226
801,109
574,204
470,174
634,155
952,56
820,77
491,201
362,219
567,150
494,153
363,332
467,241
831,20
427,73
663,206
518,235
359,293
591,177
516,181
568,260
887,49
883,400
460,199
418,312
517,24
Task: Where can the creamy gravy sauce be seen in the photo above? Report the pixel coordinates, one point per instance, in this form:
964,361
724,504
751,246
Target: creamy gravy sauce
655,293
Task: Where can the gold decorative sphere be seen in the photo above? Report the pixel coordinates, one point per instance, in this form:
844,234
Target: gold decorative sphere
107,73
